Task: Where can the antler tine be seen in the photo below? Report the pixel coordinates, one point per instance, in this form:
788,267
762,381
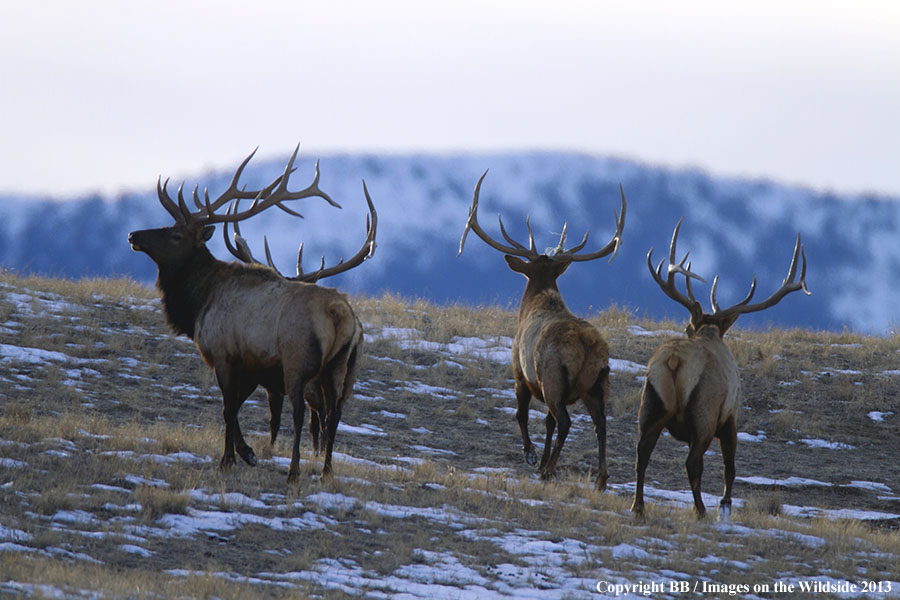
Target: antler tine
274,194
687,281
366,251
509,239
166,201
472,224
668,284
612,246
232,189
788,285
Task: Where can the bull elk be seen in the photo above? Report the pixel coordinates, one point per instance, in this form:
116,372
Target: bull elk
251,326
556,356
693,387
240,249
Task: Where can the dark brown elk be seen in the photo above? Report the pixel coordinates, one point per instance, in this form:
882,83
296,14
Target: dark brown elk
251,325
313,393
693,387
557,357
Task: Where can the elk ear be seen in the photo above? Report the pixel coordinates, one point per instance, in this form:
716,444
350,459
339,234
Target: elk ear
517,264
726,323
208,232
696,316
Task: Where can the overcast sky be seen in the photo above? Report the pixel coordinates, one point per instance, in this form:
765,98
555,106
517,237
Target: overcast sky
107,95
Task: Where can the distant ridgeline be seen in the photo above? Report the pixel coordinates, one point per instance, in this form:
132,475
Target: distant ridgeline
732,227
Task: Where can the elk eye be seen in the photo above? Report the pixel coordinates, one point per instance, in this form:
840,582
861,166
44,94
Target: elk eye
176,236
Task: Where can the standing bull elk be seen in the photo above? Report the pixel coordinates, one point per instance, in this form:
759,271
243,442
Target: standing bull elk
313,393
693,387
557,357
251,325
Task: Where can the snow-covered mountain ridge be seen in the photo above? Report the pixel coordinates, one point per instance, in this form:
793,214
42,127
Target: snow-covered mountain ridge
732,227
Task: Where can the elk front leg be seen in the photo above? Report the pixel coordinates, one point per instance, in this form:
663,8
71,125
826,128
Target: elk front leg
727,435
523,401
234,392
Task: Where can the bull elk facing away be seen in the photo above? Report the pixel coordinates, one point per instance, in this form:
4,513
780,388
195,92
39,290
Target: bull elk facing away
252,326
557,357
693,385
313,393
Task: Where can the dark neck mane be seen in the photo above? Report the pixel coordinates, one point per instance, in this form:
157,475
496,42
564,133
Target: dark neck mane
187,288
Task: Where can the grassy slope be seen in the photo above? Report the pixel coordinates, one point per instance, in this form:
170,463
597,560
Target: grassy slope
458,495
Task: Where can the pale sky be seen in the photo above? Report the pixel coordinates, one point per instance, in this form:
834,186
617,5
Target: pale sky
107,95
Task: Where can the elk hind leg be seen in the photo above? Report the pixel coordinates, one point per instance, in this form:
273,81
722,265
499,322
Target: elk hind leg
727,435
652,420
337,384
523,402
276,404
550,423
298,408
595,401
556,394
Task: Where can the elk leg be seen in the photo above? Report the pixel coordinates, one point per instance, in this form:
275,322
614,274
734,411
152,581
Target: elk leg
233,396
276,403
694,467
727,435
317,431
336,386
298,406
333,409
595,401
651,422
316,423
550,423
563,423
523,401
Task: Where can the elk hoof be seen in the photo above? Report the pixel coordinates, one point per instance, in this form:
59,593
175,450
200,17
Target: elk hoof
530,457
293,476
226,463
601,483
249,456
637,511
724,512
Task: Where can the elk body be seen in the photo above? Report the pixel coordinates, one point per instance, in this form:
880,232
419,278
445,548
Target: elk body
693,387
252,326
556,356
313,392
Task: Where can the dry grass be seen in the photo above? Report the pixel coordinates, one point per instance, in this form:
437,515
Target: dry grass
132,434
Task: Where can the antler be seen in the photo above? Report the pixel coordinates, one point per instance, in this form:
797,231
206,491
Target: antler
788,285
557,253
273,194
668,286
242,249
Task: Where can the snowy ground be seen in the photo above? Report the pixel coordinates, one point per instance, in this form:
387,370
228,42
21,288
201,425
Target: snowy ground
471,518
